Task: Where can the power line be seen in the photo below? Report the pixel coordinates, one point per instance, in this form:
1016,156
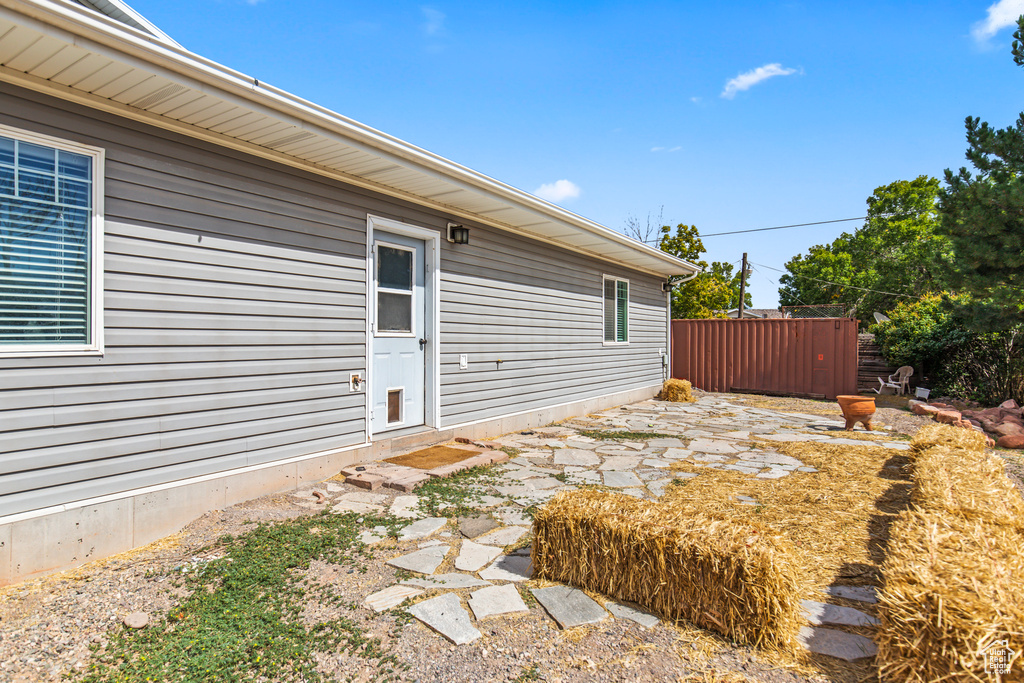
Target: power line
838,284
777,227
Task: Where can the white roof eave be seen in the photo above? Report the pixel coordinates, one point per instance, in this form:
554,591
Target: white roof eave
169,61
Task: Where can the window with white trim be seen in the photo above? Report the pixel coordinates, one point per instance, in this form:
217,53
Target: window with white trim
50,244
616,310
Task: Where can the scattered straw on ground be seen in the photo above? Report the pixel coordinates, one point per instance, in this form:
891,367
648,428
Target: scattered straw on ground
837,518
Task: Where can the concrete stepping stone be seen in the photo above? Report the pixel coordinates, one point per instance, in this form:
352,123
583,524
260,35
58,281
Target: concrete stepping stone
422,528
542,484
425,561
512,516
446,615
584,477
343,506
406,507
664,443
623,611
635,493
738,435
656,462
375,535
473,556
471,527
431,543
363,497
710,457
619,462
716,446
823,613
860,593
839,644
568,606
616,479
503,537
451,580
677,453
488,602
390,597
577,457
509,568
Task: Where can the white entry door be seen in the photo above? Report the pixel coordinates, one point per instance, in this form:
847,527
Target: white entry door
397,378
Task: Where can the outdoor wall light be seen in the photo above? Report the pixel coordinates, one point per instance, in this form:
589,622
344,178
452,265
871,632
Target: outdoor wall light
458,234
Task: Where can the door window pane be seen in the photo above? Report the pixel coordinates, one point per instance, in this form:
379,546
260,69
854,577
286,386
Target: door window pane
394,312
394,268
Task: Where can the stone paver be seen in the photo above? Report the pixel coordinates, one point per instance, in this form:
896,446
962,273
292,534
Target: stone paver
362,497
860,593
718,446
446,615
509,568
823,613
489,602
616,479
579,458
390,597
827,641
568,606
425,561
451,580
473,556
512,516
619,462
621,611
422,528
471,527
503,537
406,507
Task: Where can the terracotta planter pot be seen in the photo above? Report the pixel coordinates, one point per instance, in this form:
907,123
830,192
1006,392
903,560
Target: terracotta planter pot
857,409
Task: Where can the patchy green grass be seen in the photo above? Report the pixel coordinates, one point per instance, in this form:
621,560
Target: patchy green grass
242,617
530,673
451,496
511,451
626,436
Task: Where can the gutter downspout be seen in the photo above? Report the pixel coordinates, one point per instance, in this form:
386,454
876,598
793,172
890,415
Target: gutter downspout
668,319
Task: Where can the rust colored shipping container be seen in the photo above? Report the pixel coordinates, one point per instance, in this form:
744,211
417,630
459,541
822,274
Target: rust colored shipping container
814,357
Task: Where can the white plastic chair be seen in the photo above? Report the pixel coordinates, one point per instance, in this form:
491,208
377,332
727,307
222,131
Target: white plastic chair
899,381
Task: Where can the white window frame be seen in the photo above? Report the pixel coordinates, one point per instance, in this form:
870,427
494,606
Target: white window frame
604,281
413,320
96,251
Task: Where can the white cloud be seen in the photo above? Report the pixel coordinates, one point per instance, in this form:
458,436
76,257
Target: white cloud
696,100
558,191
1000,15
433,24
747,80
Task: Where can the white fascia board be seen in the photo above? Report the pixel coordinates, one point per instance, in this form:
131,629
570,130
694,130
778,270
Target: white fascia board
133,16
96,32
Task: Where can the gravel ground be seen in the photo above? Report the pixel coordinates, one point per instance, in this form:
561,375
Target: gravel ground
48,626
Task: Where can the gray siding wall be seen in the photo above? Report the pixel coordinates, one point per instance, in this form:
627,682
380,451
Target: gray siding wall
539,310
235,304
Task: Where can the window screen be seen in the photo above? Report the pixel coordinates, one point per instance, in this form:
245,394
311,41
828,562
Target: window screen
616,310
46,215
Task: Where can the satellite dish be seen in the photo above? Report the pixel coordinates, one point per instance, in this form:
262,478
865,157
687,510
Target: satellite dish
881,317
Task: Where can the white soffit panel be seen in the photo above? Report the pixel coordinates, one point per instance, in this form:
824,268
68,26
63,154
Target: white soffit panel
58,47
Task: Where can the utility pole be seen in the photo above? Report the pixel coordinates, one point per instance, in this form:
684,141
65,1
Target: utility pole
743,284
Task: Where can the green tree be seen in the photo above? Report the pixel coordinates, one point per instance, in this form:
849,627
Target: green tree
896,255
983,216
715,290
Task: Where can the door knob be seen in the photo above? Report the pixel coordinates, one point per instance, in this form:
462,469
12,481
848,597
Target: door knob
423,342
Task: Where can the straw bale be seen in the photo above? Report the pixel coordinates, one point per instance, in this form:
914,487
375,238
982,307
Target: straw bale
970,484
735,578
678,390
952,590
933,435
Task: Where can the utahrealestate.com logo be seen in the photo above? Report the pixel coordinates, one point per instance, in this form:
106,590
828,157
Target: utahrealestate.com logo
998,657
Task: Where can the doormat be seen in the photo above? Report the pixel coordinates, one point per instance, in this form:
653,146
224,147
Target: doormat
435,456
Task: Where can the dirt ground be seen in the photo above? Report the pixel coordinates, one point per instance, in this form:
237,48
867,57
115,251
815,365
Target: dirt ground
48,626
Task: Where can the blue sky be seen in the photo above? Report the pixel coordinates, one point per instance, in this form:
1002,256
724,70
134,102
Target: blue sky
620,109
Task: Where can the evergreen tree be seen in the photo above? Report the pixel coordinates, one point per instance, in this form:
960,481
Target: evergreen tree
983,215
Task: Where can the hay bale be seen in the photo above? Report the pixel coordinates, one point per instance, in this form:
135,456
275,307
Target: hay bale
734,578
677,390
934,435
952,590
969,484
